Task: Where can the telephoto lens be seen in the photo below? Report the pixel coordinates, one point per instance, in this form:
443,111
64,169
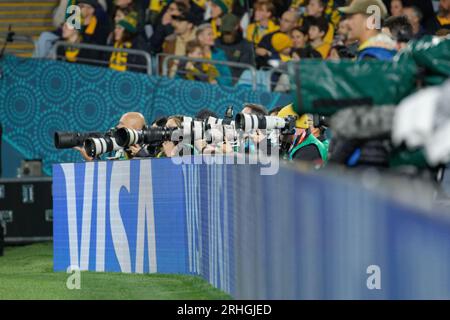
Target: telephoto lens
67,140
97,146
213,121
220,133
248,122
157,134
193,130
127,137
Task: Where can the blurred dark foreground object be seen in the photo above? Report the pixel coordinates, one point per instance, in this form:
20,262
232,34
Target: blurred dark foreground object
325,87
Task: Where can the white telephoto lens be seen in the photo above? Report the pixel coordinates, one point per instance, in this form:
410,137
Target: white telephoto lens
275,123
100,146
134,136
187,122
230,133
115,145
217,133
198,130
250,122
212,121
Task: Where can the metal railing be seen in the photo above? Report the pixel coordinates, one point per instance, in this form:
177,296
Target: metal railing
100,48
271,86
16,40
172,57
166,59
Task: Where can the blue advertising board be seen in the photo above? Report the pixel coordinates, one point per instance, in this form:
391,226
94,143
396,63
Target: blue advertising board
109,216
292,235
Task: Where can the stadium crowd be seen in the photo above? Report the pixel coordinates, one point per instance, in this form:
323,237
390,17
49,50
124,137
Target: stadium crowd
261,33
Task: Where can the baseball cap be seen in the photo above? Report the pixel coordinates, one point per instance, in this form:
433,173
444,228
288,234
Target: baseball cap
229,23
363,6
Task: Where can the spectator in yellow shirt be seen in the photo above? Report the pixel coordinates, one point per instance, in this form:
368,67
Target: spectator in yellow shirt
263,21
444,14
329,11
218,9
316,9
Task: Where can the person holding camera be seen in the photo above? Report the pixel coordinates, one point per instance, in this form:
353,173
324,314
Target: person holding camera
176,147
130,120
255,138
302,145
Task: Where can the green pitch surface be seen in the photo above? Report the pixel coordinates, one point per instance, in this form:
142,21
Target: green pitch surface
27,273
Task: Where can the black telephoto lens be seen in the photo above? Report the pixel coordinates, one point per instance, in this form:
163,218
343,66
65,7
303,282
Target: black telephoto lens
122,137
152,135
67,140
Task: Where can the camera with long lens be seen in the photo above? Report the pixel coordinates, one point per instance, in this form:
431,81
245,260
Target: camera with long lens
95,147
67,140
228,118
221,130
154,135
212,130
194,130
213,121
218,133
250,122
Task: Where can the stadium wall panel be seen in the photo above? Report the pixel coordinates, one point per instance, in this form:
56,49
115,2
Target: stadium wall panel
293,235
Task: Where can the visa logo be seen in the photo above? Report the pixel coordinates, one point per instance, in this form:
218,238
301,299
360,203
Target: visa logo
119,179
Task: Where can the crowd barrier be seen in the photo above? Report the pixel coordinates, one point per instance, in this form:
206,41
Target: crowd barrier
145,56
40,97
293,235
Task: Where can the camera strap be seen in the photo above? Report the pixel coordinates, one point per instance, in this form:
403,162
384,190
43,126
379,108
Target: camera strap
298,139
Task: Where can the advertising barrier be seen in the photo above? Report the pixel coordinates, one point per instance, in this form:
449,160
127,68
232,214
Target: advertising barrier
292,235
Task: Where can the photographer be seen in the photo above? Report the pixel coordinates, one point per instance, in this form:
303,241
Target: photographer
178,147
130,120
154,150
303,145
201,146
254,139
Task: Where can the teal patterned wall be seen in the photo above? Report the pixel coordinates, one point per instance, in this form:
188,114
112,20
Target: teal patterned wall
39,97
